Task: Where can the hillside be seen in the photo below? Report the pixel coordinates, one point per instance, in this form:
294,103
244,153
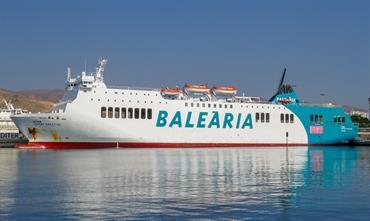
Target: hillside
31,100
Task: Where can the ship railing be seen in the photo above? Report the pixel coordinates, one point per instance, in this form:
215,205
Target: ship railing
364,130
8,127
319,104
134,88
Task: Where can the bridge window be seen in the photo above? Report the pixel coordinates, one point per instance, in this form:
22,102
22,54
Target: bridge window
286,118
257,117
267,117
103,112
282,118
123,112
149,113
130,113
116,112
291,118
320,119
110,112
262,117
136,113
143,113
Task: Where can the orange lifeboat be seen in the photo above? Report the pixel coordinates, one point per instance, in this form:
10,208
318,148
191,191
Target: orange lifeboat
197,88
170,91
222,90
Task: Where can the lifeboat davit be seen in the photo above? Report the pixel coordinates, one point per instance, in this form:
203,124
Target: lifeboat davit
222,90
197,88
170,91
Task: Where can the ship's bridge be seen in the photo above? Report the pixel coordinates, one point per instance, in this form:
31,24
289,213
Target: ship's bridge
86,81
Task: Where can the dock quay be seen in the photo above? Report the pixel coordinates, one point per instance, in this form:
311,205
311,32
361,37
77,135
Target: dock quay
364,133
363,137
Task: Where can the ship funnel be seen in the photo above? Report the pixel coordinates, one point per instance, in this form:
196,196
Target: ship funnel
285,93
280,85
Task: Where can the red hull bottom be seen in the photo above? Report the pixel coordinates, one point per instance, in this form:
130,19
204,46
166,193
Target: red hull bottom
94,145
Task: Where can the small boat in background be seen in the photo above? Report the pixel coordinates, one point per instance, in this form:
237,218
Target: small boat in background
9,133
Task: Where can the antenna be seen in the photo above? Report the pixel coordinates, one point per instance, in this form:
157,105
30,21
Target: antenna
85,64
100,69
6,103
69,73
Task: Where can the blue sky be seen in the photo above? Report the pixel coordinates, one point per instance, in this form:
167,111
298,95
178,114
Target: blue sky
324,44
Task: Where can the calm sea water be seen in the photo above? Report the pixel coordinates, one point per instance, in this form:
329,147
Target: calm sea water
305,183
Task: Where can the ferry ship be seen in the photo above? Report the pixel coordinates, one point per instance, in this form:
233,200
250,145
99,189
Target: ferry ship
9,133
93,115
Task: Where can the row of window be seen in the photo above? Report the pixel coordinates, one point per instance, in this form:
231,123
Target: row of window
287,118
146,113
214,105
262,117
123,112
131,93
316,119
339,119
209,105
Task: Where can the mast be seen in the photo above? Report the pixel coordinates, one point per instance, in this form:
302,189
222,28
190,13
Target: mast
99,75
69,74
9,105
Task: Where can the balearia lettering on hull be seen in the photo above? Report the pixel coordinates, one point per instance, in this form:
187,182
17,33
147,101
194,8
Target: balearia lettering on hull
204,120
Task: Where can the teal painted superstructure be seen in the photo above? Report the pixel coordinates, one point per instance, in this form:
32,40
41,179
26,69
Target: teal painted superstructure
324,123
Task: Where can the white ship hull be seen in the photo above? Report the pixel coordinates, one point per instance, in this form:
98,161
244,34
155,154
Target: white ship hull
79,126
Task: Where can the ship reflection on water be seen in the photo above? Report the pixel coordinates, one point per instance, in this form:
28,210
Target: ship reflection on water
270,183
